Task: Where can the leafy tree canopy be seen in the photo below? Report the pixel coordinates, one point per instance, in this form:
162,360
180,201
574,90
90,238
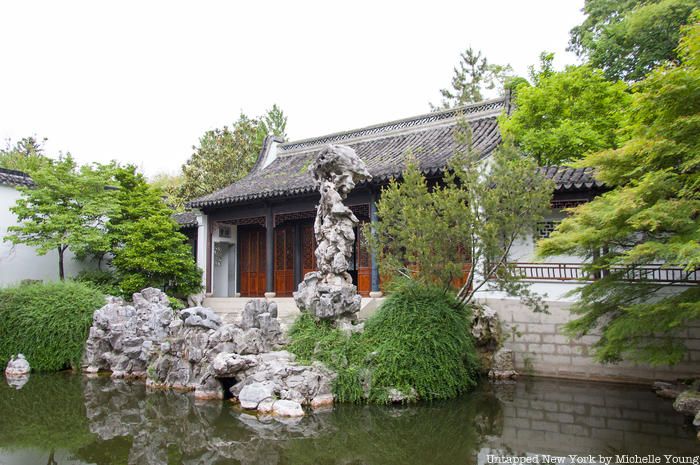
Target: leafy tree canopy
566,114
66,209
628,38
472,76
226,155
477,211
147,246
26,155
652,215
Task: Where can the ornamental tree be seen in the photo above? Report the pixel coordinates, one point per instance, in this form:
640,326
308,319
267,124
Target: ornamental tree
628,38
458,233
651,215
66,209
566,114
148,249
225,155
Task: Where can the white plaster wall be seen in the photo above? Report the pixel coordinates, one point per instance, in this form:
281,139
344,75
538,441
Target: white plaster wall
18,262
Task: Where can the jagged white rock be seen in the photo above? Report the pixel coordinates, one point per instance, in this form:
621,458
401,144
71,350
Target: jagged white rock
329,293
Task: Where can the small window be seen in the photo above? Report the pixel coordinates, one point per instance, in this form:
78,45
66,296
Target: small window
545,228
225,231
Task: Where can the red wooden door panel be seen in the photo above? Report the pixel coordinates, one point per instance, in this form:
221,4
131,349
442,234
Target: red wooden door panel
364,264
252,262
284,261
308,250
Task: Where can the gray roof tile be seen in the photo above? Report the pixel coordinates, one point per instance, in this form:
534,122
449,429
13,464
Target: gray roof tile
15,178
383,147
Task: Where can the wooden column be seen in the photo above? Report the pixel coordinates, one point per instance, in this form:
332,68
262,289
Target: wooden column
269,253
298,273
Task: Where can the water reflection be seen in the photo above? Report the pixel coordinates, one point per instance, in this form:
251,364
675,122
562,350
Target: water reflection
66,419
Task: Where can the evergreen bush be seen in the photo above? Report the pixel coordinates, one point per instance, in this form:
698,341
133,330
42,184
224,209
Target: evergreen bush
48,323
418,342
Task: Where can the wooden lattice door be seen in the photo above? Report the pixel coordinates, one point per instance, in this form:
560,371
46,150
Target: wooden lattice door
252,261
364,264
284,261
308,250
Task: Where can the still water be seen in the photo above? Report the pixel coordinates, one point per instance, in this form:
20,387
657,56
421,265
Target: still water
68,419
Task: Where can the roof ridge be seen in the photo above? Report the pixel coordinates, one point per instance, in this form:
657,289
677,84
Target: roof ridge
403,123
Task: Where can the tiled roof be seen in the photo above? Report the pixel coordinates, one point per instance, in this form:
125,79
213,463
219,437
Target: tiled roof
185,219
571,179
15,178
383,147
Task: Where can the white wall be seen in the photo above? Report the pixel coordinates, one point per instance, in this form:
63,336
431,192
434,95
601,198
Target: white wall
224,275
18,262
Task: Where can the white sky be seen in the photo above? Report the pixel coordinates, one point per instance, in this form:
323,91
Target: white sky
140,82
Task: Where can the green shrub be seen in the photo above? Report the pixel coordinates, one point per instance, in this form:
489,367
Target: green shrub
104,281
418,341
48,323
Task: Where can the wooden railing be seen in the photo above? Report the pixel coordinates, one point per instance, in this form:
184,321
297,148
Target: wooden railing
575,272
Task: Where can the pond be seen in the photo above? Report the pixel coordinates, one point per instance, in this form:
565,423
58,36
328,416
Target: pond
70,419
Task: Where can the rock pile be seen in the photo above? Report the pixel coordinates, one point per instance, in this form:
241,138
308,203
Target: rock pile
17,367
503,366
194,351
122,334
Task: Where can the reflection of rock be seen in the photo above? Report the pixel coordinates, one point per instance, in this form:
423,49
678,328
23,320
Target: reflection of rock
17,367
329,293
17,381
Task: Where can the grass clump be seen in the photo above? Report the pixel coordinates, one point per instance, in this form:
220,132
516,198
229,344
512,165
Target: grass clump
418,342
48,323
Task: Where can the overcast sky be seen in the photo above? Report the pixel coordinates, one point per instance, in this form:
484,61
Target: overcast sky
140,82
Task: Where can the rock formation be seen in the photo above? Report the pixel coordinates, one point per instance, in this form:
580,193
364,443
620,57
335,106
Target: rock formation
503,366
329,293
17,367
193,351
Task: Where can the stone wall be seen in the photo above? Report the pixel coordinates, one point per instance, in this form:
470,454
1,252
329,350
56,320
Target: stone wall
541,348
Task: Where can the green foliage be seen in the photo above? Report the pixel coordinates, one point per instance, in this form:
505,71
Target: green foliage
66,209
26,155
472,76
148,249
477,211
628,38
171,187
226,155
651,215
102,280
417,342
48,323
566,114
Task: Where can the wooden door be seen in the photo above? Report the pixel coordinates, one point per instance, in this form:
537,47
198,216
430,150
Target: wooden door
284,261
308,250
252,261
364,264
